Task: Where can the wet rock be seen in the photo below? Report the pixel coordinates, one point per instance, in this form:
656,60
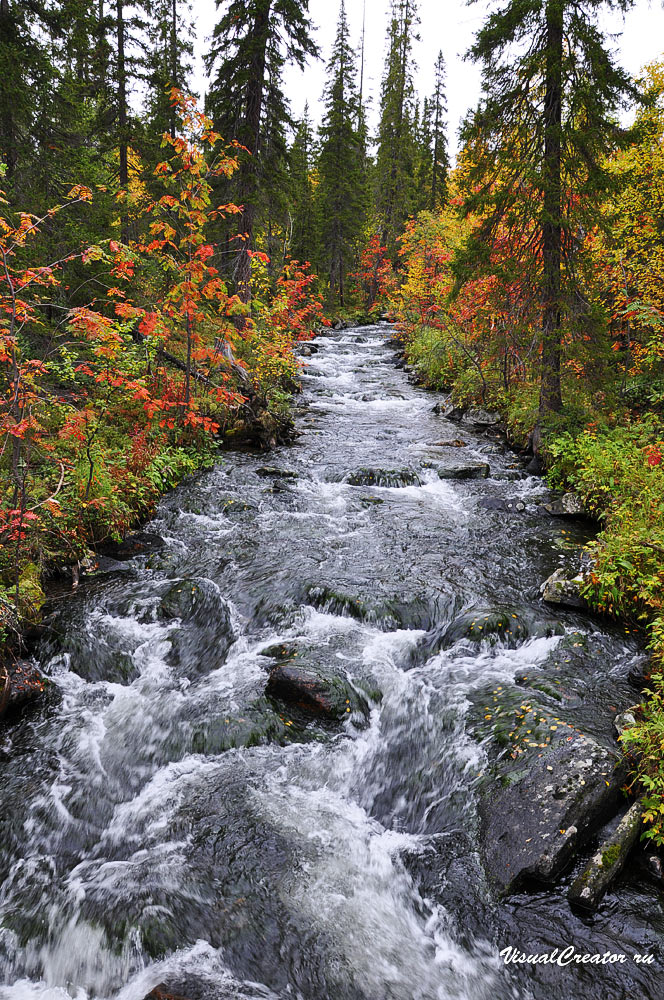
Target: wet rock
166,992
482,418
280,651
563,589
456,443
21,683
531,827
194,598
206,630
273,472
503,626
606,864
258,725
498,503
136,543
454,413
314,692
336,603
535,467
467,470
382,477
569,505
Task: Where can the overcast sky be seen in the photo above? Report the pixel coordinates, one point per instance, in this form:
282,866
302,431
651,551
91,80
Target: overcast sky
444,24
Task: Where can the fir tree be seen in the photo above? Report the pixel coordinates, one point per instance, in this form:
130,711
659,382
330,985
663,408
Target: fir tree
169,61
341,161
304,231
396,137
251,42
537,146
440,164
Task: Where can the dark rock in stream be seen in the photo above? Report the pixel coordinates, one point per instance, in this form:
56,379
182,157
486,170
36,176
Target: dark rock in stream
569,505
465,470
492,625
507,506
206,633
606,864
382,477
21,684
531,827
311,690
135,544
273,472
564,589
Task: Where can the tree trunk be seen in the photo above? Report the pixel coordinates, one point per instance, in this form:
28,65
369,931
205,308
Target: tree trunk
175,82
7,129
122,115
550,392
251,139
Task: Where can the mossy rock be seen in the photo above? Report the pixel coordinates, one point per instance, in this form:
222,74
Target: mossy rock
315,692
394,478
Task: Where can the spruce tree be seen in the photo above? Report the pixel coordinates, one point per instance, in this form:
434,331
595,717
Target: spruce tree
440,163
536,149
303,225
251,42
397,152
169,62
341,161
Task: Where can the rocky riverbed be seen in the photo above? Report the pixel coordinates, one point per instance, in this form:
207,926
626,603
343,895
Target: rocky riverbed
316,734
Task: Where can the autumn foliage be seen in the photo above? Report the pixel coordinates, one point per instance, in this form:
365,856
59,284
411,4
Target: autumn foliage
108,402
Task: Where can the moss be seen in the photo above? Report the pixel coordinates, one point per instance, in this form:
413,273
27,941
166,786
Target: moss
610,856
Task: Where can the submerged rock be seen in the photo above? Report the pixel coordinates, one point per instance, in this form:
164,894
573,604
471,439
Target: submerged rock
569,505
590,886
498,503
315,692
466,470
492,625
455,443
382,477
136,543
273,472
531,827
565,590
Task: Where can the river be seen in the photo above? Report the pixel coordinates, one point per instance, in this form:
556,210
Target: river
163,821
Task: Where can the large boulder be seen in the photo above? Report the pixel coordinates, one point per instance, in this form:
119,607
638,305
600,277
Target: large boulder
382,477
568,505
315,692
135,544
491,625
515,506
532,824
204,631
463,470
482,418
564,589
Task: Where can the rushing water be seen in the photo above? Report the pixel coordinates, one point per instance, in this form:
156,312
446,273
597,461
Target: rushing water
143,841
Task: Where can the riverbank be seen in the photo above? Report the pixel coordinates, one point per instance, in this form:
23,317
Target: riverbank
60,545
612,460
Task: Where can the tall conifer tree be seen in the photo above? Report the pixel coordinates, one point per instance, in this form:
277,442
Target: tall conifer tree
396,135
341,161
537,146
440,159
251,42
